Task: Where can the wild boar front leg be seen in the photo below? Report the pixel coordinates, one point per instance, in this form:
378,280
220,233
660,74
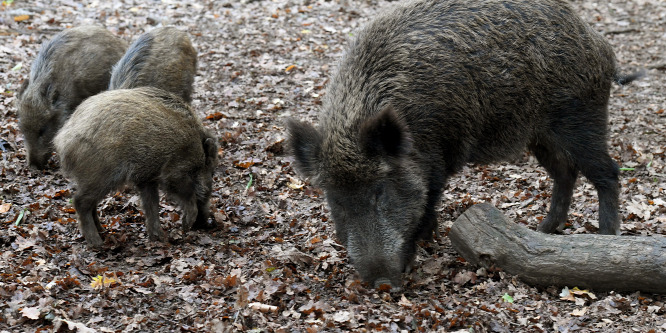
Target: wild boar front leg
98,225
151,206
86,206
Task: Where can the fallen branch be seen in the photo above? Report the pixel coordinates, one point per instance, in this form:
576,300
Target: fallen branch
485,237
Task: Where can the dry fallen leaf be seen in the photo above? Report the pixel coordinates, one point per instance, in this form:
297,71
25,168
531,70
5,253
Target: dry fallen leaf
78,327
5,207
24,243
585,292
570,295
263,307
20,18
465,276
247,163
295,183
567,295
293,255
100,282
405,302
342,316
315,240
30,312
579,312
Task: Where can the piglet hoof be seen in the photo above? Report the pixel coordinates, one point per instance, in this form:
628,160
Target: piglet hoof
159,235
408,268
205,224
94,241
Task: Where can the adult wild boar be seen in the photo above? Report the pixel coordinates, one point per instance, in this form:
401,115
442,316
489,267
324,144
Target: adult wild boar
75,64
432,85
162,58
143,136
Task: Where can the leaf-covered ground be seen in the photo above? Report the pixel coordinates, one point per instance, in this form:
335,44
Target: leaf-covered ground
273,264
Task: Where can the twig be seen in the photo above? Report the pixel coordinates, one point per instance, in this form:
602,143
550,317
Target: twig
660,66
625,31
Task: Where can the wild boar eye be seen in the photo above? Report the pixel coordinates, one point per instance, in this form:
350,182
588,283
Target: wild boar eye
379,192
42,130
373,200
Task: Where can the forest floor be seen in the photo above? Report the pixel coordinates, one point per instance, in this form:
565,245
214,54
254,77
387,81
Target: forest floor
273,264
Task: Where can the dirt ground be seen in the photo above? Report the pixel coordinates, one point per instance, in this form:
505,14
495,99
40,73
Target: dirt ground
273,264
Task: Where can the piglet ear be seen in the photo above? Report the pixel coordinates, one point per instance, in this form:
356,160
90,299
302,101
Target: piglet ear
304,143
210,150
385,134
23,88
50,93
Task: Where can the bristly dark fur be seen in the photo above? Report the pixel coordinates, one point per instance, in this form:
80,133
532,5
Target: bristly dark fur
468,81
75,64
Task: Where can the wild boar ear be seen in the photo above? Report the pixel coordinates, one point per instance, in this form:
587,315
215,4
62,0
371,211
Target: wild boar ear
385,134
304,143
23,87
50,93
210,149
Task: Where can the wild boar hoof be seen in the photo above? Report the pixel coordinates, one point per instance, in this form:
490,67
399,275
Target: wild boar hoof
159,236
547,227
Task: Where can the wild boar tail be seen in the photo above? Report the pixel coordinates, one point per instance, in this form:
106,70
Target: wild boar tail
623,79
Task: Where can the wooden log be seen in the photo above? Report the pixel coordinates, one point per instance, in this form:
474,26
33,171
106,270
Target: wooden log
485,237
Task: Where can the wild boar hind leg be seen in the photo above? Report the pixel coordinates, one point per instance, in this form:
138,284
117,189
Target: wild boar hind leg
580,146
602,171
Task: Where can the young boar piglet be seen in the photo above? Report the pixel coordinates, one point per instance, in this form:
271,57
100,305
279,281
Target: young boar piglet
162,58
432,85
146,137
75,64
